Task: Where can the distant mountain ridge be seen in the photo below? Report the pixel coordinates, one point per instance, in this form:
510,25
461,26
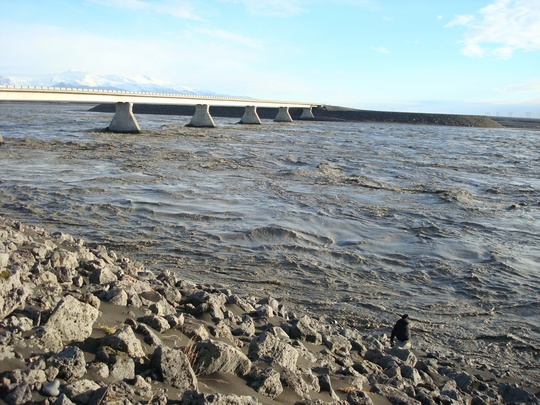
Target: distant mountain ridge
85,80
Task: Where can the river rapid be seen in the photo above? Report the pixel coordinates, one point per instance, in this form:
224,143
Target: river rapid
357,222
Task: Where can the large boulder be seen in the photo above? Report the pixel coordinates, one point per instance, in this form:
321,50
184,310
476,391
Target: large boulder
64,264
124,340
71,320
81,391
266,382
175,368
13,292
305,328
270,348
70,363
213,356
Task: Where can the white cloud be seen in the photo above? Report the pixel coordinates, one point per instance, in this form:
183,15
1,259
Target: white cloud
461,20
232,37
273,8
532,86
182,10
501,28
380,49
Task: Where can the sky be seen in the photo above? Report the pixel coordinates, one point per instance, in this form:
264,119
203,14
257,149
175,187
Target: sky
449,56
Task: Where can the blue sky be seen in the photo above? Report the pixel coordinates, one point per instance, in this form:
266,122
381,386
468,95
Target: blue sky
454,56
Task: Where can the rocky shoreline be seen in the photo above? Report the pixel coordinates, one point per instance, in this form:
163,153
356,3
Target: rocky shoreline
79,324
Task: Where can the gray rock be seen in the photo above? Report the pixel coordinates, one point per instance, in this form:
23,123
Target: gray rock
21,394
117,296
464,381
450,390
223,332
513,394
97,371
241,303
70,363
162,308
102,275
81,391
51,389
171,294
124,339
123,368
195,398
272,349
156,322
303,328
325,384
381,358
213,356
72,320
175,320
293,379
427,397
338,344
150,337
203,297
4,260
13,292
175,368
411,374
405,355
195,331
265,311
358,398
63,400
64,264
394,395
6,352
91,299
266,382
244,328
118,392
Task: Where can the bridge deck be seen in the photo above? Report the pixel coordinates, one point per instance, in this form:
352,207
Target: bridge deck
74,95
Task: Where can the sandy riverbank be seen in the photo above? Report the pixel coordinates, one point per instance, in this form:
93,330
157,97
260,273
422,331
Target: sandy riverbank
79,323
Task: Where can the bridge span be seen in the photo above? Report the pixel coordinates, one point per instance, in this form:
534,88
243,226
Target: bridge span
124,120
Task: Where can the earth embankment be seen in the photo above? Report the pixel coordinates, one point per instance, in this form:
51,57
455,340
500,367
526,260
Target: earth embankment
328,113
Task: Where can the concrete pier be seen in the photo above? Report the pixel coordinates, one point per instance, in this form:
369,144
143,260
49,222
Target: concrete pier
202,117
124,120
307,114
250,116
283,115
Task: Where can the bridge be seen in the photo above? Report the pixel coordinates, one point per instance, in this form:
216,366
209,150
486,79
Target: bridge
124,120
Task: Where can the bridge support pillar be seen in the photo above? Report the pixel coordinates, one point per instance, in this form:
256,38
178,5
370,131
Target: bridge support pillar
283,115
124,120
307,114
202,117
250,116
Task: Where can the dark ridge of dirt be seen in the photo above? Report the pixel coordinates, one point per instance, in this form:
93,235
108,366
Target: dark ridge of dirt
525,123
336,113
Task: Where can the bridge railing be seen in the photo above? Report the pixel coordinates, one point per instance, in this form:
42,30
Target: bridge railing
113,91
76,90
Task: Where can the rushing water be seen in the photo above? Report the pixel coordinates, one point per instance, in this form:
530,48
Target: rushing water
357,221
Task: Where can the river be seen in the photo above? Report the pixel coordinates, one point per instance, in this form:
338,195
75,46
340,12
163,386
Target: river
358,222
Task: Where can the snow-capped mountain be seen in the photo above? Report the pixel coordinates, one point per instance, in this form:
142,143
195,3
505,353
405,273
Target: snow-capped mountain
85,80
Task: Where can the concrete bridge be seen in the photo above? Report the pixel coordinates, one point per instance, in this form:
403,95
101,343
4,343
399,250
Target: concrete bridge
124,120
